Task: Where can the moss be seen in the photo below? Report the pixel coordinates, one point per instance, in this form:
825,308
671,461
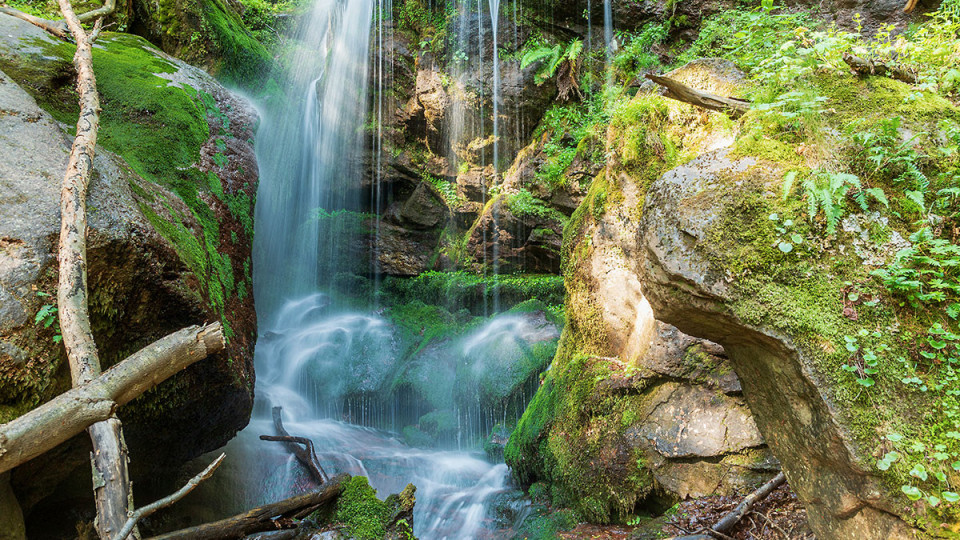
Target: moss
364,516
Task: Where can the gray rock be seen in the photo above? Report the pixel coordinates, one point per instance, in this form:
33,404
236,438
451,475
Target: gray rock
789,398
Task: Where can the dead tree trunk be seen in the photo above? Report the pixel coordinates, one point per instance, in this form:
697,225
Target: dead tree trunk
52,423
111,480
270,517
681,92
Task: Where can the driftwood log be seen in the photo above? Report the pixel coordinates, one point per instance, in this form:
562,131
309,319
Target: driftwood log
727,522
270,517
869,66
66,415
677,90
305,454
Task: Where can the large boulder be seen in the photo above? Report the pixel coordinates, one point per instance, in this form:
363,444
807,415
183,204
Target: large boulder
170,224
786,381
634,415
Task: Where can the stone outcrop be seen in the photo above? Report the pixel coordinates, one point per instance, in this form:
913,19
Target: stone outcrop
634,414
167,247
784,380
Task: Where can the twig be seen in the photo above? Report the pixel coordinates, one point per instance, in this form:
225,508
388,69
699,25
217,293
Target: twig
140,513
772,524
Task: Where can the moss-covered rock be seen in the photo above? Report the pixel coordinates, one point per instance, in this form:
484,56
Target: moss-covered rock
169,243
634,415
210,33
729,254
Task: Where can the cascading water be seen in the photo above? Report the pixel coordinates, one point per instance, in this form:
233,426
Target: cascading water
327,360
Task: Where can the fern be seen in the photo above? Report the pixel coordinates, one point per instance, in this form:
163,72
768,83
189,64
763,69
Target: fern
828,192
551,58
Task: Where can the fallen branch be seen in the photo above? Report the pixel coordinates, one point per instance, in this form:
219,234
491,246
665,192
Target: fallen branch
681,92
55,28
728,521
59,419
867,66
741,510
304,455
59,28
140,513
270,517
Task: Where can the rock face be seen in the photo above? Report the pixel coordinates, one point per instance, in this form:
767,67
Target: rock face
782,378
634,414
151,250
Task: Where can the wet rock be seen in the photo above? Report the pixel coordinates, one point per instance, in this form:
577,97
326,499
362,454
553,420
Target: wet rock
527,243
423,209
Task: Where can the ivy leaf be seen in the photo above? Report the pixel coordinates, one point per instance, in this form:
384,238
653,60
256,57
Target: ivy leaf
950,496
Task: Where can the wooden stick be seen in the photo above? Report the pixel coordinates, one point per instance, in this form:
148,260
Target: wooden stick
735,515
59,419
263,518
111,477
140,513
681,92
910,5
305,455
867,66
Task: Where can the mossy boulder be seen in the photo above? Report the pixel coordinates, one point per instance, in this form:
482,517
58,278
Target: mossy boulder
634,415
209,33
169,243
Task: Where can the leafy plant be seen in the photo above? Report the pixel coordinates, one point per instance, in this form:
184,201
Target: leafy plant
551,58
828,191
47,317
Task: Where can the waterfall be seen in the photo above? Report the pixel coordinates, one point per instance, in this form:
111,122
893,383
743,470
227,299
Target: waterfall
328,360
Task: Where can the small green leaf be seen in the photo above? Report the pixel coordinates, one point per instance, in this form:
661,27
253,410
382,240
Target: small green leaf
933,500
950,496
919,471
797,239
911,492
853,297
773,217
894,437
867,382
785,247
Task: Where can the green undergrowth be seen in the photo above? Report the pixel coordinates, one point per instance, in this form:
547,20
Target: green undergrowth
474,292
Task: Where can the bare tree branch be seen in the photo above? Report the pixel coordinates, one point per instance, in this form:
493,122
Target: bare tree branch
54,422
56,28
140,513
306,455
264,518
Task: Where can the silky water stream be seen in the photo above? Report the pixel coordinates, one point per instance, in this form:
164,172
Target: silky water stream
328,362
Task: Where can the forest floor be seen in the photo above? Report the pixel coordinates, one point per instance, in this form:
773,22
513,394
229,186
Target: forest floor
778,517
